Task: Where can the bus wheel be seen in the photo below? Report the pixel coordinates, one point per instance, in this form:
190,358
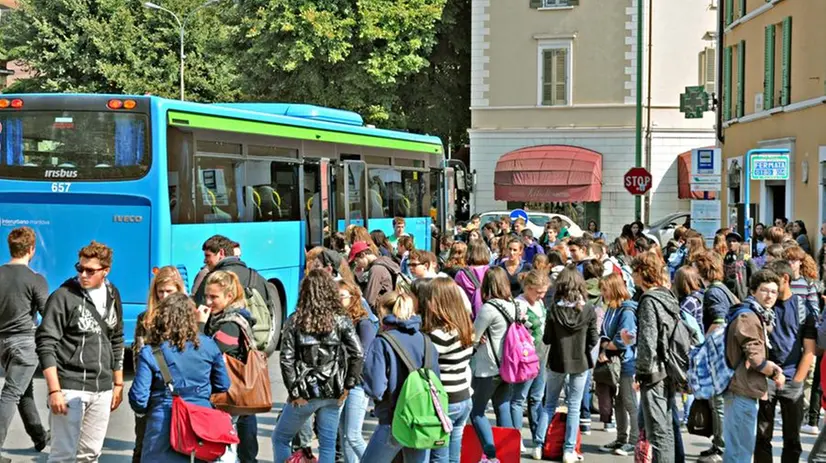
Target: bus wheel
278,315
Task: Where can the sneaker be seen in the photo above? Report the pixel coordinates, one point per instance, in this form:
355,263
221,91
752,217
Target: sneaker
47,439
522,449
608,448
572,457
585,429
609,427
809,429
625,450
712,451
537,453
715,458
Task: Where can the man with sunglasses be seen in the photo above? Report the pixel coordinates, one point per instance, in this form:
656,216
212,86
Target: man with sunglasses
80,346
23,295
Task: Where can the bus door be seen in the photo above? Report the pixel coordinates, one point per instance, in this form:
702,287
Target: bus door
448,197
351,194
317,204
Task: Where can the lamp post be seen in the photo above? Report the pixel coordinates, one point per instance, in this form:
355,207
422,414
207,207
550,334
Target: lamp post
181,28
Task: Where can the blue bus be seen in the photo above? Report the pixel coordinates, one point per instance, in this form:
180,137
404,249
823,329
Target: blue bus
153,178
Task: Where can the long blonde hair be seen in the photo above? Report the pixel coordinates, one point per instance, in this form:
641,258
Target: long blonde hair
229,284
166,275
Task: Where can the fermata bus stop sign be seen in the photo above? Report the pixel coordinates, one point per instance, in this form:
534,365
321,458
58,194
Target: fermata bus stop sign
770,167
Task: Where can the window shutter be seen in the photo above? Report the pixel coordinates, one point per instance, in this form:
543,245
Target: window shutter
786,63
729,12
561,77
768,77
742,8
536,3
727,84
547,77
741,78
573,2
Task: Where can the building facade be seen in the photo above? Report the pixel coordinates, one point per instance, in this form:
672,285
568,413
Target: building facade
564,72
774,90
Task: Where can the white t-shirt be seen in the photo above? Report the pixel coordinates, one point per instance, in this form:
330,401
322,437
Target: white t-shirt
98,296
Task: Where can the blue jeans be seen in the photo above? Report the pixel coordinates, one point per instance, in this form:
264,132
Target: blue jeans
585,414
459,414
533,391
687,401
485,390
352,421
248,435
383,448
293,418
573,399
739,427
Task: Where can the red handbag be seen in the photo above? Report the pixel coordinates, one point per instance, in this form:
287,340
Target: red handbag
199,432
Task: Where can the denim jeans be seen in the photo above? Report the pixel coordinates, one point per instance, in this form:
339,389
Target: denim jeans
676,424
625,410
585,414
658,407
573,399
383,448
739,427
818,453
248,434
352,422
533,391
19,360
459,413
485,390
717,404
293,418
688,399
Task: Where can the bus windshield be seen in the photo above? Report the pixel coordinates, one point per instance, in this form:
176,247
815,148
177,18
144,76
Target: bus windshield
76,145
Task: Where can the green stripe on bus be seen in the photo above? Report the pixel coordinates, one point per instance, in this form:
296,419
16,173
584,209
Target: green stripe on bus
202,121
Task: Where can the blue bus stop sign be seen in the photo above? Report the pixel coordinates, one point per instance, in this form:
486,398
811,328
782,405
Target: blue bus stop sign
517,213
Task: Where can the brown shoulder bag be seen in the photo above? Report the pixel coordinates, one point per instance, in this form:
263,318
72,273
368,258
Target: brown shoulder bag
249,392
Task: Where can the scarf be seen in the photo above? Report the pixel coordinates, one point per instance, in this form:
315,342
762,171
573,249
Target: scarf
766,315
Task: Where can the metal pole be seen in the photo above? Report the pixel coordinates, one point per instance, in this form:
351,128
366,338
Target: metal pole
638,153
183,98
747,189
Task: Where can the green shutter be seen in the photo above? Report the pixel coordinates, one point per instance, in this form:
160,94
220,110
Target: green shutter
768,77
786,63
741,78
726,84
573,2
742,8
729,12
536,3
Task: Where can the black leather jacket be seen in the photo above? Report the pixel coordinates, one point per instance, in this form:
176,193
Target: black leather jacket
321,366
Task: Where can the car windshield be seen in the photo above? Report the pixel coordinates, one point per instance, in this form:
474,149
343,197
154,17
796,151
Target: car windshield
541,220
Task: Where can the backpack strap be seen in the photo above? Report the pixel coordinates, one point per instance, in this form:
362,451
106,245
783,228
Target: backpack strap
401,351
508,319
164,367
468,273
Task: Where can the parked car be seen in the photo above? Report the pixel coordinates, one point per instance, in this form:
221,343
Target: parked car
536,221
663,229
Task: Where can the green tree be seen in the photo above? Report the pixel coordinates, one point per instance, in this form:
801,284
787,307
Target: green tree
352,54
119,46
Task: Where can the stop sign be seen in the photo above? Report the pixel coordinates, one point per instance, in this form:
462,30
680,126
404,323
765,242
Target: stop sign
637,181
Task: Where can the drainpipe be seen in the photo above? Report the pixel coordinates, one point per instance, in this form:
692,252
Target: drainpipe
638,153
721,29
648,135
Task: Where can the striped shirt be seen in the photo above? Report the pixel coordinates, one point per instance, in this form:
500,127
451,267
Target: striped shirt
454,365
807,292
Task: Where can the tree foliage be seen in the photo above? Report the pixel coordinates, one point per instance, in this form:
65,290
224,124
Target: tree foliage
118,46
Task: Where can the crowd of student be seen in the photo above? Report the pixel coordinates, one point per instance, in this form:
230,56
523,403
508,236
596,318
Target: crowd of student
609,319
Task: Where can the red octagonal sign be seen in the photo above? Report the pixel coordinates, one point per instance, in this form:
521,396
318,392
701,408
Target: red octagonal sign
637,181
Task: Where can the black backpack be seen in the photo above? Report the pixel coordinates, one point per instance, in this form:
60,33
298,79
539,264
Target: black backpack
674,348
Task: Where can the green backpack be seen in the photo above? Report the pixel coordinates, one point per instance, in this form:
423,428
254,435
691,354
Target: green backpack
419,421
263,330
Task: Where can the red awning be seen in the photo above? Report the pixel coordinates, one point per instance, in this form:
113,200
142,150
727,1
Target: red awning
549,173
684,179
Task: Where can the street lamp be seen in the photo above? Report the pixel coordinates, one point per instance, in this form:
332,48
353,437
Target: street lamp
181,28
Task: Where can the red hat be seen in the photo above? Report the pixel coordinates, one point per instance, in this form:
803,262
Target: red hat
357,248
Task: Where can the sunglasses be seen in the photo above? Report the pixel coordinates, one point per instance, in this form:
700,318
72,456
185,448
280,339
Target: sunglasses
87,270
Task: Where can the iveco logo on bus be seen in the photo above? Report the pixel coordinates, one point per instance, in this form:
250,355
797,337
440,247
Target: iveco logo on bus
128,218
60,173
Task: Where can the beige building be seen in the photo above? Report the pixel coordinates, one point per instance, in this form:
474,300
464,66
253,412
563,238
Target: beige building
774,90
563,72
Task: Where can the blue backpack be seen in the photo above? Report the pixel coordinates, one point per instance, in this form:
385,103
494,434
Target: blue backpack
709,373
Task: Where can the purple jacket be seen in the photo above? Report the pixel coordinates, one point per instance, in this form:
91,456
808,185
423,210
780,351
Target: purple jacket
474,293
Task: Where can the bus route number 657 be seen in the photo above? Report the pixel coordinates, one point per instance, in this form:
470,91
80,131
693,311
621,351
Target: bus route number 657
61,187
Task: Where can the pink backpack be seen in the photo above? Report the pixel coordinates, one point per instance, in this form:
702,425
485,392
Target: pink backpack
519,360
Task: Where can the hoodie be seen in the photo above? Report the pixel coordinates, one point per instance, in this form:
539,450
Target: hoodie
622,318
85,347
472,290
380,279
657,315
384,371
571,333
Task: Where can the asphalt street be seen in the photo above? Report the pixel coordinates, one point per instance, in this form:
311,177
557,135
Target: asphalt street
120,436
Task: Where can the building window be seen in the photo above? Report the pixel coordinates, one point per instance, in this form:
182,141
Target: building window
554,3
777,79
555,66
